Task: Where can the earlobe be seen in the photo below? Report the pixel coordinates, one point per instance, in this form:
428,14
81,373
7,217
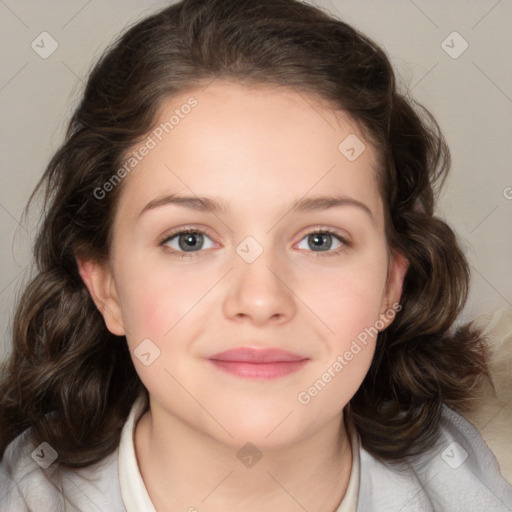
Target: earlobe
99,280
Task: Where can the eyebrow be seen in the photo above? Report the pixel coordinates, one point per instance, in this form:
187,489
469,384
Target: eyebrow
210,205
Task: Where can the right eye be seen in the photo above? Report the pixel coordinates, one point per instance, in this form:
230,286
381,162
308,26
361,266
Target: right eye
186,241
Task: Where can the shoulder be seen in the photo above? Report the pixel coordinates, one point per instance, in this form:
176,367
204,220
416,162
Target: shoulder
459,473
31,479
491,413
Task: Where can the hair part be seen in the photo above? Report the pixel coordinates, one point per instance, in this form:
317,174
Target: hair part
73,381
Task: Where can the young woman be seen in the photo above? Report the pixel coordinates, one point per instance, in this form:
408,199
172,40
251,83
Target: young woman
243,299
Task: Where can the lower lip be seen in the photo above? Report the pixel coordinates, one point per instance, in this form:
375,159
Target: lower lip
259,370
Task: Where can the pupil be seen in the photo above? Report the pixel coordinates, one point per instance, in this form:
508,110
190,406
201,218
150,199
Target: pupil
189,241
320,238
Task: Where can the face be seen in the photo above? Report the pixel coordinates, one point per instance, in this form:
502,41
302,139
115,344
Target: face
266,264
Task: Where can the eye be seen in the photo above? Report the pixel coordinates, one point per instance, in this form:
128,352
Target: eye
323,240
186,241
189,242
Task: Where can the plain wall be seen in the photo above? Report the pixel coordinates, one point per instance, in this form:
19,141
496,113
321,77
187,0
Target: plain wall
471,96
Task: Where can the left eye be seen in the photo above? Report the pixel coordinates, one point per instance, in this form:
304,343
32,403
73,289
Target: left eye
322,240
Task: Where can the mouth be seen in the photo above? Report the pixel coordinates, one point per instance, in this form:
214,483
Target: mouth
258,363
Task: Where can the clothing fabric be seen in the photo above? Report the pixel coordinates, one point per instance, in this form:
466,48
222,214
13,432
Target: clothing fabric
459,473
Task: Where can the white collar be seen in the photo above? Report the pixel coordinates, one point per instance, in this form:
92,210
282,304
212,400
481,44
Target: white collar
133,491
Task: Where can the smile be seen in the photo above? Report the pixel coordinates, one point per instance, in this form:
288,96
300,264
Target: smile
251,363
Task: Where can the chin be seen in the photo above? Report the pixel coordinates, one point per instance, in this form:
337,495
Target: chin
265,431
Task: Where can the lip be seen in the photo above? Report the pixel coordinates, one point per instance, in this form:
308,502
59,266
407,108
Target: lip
258,363
257,355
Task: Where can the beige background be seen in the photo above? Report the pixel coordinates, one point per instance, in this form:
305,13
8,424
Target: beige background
471,96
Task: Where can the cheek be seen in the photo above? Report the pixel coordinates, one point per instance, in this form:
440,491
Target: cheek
156,298
351,312
350,300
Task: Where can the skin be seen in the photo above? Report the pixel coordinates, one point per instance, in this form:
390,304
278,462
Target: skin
257,149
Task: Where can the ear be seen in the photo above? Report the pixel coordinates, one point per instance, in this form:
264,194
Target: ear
99,281
398,266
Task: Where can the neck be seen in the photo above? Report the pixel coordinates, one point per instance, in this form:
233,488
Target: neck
184,469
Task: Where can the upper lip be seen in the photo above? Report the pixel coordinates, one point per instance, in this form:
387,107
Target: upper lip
257,355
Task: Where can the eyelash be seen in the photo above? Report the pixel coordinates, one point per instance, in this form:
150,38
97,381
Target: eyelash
167,237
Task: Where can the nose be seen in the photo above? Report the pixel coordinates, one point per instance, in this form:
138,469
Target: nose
260,292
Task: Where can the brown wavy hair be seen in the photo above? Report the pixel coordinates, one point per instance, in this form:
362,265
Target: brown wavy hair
73,381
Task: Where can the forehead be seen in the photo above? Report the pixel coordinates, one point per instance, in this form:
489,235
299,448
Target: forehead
245,144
